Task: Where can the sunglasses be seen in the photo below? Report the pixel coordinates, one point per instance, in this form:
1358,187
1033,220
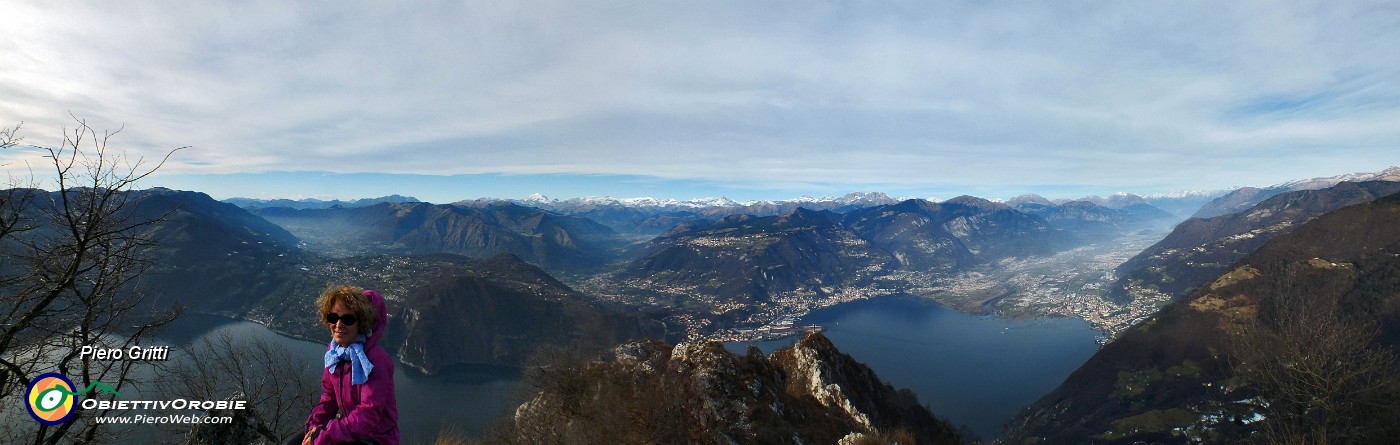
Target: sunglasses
347,319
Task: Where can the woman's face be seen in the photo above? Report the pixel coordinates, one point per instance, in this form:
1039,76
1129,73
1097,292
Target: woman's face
344,334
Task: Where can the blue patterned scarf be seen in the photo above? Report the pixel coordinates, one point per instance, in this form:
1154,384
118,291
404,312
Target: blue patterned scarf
360,367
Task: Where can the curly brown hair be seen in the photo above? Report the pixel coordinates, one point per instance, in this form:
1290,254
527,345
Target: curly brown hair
354,299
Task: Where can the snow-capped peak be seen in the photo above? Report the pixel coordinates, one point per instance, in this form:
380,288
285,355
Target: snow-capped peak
856,199
850,198
1177,194
1029,198
1389,174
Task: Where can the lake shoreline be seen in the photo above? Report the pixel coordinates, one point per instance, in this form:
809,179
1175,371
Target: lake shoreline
989,367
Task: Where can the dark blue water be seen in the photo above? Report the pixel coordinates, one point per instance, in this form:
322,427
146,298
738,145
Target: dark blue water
466,401
975,371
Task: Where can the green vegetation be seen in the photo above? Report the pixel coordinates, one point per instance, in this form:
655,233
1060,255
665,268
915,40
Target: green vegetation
1154,421
1147,325
1134,383
1187,368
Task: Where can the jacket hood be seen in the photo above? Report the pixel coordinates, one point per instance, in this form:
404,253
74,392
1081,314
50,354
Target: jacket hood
381,321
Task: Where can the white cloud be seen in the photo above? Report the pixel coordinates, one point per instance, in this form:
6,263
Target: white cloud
753,93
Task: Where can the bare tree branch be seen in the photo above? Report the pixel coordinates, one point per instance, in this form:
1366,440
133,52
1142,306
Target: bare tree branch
66,280
1318,374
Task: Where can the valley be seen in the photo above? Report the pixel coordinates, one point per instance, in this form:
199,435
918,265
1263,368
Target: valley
708,223
1073,283
490,285
744,277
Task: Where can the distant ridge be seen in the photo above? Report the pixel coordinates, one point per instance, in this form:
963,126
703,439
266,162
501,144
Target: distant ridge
860,199
1243,198
547,239
313,203
651,216
1201,248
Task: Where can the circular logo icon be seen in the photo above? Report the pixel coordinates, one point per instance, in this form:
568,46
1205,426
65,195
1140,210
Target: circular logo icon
50,398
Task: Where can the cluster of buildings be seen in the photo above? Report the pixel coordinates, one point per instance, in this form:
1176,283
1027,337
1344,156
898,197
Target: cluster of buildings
1073,284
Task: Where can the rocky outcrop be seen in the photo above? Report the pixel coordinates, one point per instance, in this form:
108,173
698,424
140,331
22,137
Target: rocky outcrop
652,392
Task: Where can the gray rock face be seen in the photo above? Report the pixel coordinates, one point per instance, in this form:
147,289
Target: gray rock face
652,392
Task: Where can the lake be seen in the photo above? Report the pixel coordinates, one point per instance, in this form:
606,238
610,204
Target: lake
465,401
973,370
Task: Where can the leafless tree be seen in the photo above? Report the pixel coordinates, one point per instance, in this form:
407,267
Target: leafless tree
268,377
582,401
67,275
1321,377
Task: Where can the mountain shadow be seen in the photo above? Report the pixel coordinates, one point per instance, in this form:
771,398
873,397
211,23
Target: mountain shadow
499,310
211,256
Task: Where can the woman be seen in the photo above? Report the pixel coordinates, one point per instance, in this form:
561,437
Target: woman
357,382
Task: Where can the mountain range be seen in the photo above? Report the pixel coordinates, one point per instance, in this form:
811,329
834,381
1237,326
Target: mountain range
494,283
745,258
745,271
650,216
1322,300
558,242
726,263
1245,197
313,203
1093,220
214,257
266,265
1199,249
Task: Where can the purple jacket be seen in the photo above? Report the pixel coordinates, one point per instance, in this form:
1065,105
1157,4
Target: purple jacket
347,412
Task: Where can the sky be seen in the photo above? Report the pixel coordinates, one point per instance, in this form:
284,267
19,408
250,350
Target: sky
750,100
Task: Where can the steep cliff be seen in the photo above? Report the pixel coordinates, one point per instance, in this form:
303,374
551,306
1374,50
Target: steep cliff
652,392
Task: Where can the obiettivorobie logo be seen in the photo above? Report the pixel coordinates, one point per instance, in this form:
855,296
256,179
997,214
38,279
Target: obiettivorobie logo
51,397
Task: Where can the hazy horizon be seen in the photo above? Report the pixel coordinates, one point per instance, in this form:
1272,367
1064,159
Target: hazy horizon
743,100
431,188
